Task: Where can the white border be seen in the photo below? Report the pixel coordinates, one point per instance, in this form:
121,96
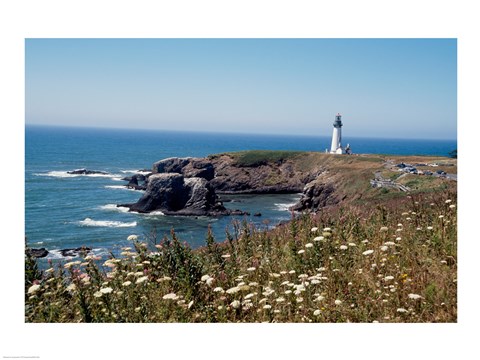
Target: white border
24,19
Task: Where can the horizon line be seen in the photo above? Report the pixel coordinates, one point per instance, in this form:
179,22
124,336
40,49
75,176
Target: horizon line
226,132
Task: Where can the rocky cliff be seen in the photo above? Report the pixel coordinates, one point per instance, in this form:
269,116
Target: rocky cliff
193,186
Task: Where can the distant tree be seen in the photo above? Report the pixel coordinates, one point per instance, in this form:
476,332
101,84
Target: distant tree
453,154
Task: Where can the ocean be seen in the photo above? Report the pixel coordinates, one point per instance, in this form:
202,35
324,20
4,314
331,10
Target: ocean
69,211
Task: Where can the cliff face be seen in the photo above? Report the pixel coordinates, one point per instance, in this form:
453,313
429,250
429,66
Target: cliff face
189,186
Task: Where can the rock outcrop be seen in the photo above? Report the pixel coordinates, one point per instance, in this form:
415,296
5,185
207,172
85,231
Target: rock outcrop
86,172
173,194
316,194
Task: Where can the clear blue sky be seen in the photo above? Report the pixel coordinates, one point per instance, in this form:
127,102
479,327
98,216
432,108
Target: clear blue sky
392,88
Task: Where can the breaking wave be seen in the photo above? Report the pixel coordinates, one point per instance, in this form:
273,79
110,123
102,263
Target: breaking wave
106,223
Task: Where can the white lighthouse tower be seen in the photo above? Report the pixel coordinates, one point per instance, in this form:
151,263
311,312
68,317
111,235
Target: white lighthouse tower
337,136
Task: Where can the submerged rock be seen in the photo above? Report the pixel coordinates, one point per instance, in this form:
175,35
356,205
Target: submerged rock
86,172
37,253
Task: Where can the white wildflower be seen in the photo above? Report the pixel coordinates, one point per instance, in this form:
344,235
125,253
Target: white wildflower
170,296
308,245
205,277
251,269
367,252
402,310
301,251
388,278
319,238
33,289
384,248
327,229
132,238
343,247
267,307
316,312
383,228
127,283
141,279
98,294
233,290
218,289
235,304
414,296
106,290
338,302
314,229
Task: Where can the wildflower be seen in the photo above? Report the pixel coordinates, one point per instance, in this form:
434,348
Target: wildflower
209,281
301,251
98,294
343,247
314,229
225,256
106,290
316,312
440,216
390,243
308,245
388,278
287,292
33,289
398,238
448,201
383,228
291,272
205,277
126,283
267,307
414,296
338,302
132,238
141,279
138,273
327,229
302,276
384,248
251,269
299,299
365,241
319,238
430,227
352,244
233,290
452,206
49,270
367,252
71,287
402,310
280,299
170,296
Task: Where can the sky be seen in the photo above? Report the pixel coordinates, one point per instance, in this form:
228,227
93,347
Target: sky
390,88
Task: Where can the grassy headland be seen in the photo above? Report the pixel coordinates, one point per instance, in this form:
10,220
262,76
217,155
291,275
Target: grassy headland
382,256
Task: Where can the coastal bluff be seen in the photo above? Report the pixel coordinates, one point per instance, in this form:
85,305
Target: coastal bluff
194,186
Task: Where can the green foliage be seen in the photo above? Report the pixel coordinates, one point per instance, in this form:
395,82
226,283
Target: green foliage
262,157
387,263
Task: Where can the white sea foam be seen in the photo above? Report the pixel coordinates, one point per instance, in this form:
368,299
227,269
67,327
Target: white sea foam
114,207
106,223
120,187
283,206
135,172
65,174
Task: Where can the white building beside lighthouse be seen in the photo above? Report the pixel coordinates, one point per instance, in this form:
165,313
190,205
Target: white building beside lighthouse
336,147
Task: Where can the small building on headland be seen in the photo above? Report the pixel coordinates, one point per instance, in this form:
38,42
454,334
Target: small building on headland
336,147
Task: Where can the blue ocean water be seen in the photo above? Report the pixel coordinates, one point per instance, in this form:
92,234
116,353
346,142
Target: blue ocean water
67,211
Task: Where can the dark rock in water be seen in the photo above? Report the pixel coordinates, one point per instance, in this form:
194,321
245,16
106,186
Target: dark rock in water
170,165
239,212
188,167
316,194
86,172
38,253
75,252
173,194
257,214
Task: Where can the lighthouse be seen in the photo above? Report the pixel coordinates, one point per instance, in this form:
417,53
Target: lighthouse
337,136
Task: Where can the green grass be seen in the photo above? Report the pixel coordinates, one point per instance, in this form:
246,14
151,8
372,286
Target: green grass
387,262
262,157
